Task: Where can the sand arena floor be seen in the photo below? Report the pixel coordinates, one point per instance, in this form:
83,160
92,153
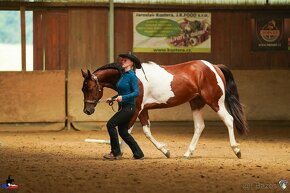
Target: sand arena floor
55,162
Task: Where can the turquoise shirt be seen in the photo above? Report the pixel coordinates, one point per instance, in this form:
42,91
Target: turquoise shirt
128,87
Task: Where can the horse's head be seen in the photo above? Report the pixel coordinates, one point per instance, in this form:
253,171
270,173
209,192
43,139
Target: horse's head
92,90
105,76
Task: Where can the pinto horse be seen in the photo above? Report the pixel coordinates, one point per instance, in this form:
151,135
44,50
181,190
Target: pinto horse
196,82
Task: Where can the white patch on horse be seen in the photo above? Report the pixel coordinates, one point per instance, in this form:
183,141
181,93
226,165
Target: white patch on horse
219,81
223,113
158,87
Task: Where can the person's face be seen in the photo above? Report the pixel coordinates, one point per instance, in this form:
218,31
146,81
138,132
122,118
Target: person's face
126,62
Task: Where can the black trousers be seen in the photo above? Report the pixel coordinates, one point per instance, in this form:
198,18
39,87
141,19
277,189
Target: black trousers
121,120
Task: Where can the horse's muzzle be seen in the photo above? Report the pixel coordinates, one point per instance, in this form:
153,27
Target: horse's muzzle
89,111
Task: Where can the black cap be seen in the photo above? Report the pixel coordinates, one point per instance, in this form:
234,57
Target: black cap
133,58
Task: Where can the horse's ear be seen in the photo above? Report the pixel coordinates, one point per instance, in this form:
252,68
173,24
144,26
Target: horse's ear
83,73
89,73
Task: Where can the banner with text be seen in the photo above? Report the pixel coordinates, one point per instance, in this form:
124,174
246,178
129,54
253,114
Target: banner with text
177,32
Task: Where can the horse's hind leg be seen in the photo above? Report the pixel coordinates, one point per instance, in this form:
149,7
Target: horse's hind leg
196,105
228,120
144,118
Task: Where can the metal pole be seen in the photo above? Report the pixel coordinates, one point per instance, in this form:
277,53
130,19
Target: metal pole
23,38
43,35
111,32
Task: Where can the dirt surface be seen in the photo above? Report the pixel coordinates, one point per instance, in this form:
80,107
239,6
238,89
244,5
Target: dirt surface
53,162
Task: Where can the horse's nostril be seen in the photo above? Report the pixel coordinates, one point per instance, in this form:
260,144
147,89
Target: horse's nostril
88,111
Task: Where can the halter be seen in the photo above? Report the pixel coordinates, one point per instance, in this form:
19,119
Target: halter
95,101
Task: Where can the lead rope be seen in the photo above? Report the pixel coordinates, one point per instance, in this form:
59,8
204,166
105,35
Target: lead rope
144,73
111,104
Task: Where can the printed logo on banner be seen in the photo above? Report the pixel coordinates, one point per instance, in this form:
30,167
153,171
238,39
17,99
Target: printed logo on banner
283,184
269,33
9,184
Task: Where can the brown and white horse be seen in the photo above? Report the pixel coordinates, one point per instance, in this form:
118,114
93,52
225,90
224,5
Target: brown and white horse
197,82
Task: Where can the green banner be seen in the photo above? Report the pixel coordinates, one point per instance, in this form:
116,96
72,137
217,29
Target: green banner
178,32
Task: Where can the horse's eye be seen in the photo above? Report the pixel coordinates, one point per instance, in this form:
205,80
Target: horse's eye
85,87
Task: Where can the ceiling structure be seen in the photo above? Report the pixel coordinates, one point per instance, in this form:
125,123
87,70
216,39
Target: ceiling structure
170,2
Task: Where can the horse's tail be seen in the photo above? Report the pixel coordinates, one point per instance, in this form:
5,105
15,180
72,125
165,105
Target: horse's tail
232,101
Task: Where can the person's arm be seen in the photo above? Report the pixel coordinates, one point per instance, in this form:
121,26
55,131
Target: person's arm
135,89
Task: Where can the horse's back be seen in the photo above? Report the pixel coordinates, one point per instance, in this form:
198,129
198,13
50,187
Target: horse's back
185,67
160,74
172,84
176,84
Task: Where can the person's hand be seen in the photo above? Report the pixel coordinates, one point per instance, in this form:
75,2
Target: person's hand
119,99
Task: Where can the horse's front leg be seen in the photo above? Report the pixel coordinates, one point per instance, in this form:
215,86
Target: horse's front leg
144,118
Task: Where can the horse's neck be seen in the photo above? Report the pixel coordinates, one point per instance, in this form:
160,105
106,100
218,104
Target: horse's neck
108,77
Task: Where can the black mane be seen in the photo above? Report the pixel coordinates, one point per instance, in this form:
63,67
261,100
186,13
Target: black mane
112,66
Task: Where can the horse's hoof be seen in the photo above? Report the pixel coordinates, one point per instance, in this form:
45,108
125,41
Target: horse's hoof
187,155
239,154
167,154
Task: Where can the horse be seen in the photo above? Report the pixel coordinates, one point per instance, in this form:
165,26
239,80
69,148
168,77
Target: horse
197,82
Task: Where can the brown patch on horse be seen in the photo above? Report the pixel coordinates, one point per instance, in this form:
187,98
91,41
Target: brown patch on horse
193,82
211,92
220,73
139,100
197,103
184,87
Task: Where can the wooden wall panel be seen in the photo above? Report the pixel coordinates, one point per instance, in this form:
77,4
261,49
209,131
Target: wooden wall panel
220,25
37,96
231,41
279,60
88,38
123,31
56,44
51,37
84,43
37,41
239,43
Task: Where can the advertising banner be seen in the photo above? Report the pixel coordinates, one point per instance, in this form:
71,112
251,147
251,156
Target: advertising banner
269,33
172,32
